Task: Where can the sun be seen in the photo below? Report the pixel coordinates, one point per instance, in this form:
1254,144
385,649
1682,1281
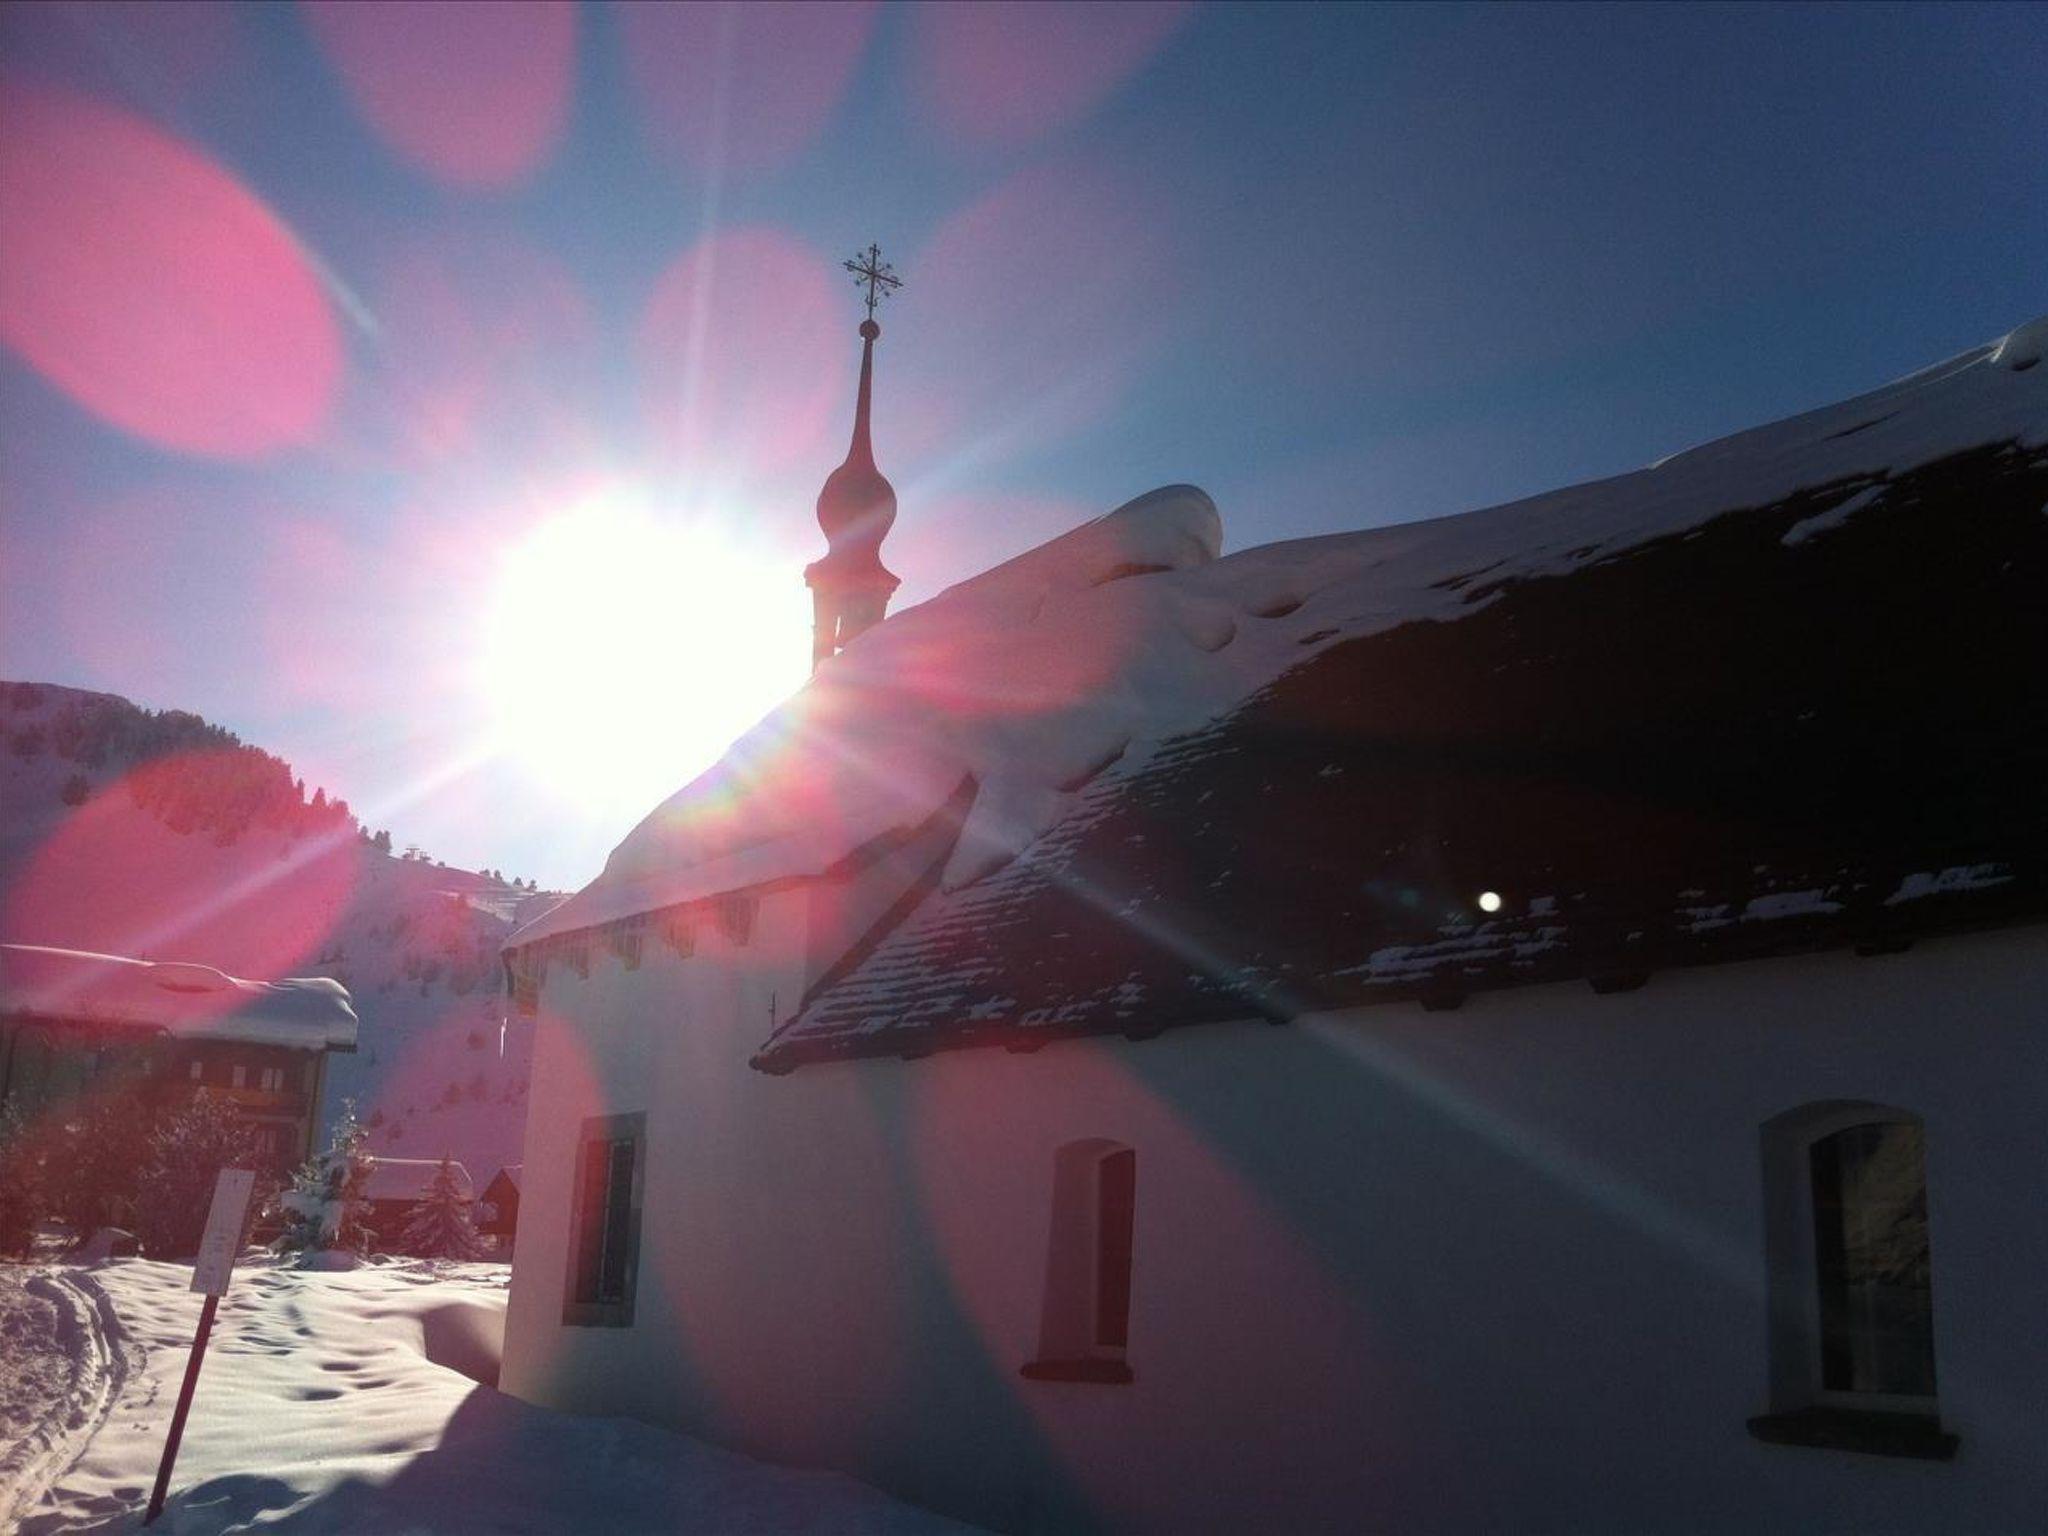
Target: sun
623,652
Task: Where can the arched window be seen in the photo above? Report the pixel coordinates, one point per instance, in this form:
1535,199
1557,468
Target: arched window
1084,1327
1851,1281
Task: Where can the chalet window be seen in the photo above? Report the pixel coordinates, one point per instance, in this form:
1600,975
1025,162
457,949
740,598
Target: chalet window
1851,1295
271,1080
197,1070
604,1232
1084,1328
238,1076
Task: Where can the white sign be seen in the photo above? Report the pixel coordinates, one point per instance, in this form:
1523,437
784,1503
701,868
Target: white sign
223,1237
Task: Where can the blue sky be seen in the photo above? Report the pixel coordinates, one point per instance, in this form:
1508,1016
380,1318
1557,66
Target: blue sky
1340,265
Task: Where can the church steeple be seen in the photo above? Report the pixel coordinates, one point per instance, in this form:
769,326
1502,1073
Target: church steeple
850,587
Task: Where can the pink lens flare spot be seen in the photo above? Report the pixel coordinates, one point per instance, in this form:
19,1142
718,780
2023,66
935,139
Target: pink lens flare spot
1008,73
985,1130
310,594
1036,306
740,87
474,94
488,349
203,855
743,1260
154,289
729,350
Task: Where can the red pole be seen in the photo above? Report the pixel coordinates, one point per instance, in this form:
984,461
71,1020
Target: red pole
163,1471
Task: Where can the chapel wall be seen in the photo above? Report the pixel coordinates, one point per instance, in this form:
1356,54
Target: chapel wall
1493,1268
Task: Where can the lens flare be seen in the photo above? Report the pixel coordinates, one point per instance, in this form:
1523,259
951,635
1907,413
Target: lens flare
1008,74
624,651
740,87
152,287
473,94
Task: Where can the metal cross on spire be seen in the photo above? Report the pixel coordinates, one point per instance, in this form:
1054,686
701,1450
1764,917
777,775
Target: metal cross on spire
874,274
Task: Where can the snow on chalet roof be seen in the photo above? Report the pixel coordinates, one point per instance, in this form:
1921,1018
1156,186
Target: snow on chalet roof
1777,692
196,1002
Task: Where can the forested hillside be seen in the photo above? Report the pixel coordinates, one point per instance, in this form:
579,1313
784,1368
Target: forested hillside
157,834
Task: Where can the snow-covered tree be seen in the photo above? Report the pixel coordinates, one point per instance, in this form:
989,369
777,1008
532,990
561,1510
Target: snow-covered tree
324,1207
443,1224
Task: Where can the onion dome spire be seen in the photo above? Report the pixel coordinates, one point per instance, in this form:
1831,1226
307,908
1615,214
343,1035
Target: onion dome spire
850,587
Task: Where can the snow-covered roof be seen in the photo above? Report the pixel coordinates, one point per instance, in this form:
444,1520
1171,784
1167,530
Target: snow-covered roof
1759,696
1083,656
407,1178
886,730
194,1002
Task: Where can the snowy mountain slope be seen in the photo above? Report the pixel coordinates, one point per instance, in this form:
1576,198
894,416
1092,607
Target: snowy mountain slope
158,836
1078,659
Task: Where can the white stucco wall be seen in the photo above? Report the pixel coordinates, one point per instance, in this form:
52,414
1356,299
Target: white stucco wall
1494,1269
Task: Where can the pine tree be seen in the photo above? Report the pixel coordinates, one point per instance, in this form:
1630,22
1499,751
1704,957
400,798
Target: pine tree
443,1224
324,1207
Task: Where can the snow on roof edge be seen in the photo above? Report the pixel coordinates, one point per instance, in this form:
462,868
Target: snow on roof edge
953,687
195,1002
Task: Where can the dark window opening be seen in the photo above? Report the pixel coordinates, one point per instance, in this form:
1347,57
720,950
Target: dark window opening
1085,1326
604,1248
1871,1262
1117,1203
1851,1306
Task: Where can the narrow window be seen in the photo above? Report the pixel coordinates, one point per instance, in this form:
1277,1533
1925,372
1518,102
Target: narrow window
1871,1264
197,1070
238,1075
604,1247
1116,1207
1084,1329
1851,1296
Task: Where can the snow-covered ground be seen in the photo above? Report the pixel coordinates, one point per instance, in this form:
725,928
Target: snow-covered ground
322,1408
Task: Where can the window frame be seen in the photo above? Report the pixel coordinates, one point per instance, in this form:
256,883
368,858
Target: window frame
605,1131
1838,1397
1079,1298
1804,1410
